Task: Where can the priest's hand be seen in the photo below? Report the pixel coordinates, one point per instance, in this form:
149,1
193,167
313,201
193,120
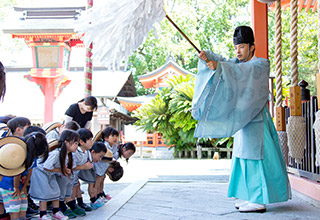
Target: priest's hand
202,55
212,64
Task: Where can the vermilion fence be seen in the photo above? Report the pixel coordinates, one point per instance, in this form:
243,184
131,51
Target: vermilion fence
153,140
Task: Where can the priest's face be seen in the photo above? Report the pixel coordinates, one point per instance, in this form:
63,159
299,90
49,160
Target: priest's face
243,52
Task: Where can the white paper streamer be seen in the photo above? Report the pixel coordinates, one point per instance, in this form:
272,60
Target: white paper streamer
118,27
316,127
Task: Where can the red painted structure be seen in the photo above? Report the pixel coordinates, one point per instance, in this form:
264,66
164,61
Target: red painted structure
49,62
49,33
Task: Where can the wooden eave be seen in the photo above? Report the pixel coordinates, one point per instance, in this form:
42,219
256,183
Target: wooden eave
306,4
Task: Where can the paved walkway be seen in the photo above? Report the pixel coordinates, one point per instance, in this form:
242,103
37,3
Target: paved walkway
186,190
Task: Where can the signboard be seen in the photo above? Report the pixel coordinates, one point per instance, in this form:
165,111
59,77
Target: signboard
103,115
132,133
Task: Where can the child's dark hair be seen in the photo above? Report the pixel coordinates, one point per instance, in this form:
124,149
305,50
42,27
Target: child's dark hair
126,146
98,147
18,122
2,81
69,136
91,101
108,131
37,145
6,118
72,125
85,134
117,171
32,128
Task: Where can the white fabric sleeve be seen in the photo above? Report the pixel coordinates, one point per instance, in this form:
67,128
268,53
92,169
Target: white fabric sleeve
67,118
87,124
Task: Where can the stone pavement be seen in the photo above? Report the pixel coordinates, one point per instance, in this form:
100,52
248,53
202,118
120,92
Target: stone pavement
187,190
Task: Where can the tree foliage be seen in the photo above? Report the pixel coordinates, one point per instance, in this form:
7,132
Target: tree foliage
307,47
209,24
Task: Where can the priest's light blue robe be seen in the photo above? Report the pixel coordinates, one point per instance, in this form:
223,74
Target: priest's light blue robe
232,100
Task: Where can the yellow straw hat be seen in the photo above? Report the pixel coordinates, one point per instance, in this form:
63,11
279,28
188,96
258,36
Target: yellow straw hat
54,144
108,156
13,153
50,126
98,136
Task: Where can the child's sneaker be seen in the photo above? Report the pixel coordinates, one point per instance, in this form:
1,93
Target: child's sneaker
70,214
100,201
106,198
85,207
46,217
96,205
59,216
79,211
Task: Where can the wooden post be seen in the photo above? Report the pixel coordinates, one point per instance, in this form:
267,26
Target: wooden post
280,119
141,156
295,101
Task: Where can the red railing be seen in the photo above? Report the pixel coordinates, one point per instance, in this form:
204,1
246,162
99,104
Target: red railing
153,140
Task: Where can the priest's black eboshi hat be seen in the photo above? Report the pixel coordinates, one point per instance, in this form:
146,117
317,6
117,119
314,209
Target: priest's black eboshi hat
243,35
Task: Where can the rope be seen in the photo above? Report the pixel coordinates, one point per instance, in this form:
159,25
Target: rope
294,42
278,61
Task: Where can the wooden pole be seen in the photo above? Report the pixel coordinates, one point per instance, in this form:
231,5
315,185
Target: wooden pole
89,65
181,32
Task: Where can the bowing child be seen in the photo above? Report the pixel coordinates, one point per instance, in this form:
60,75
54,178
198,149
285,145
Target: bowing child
110,137
50,180
82,161
97,152
14,189
54,130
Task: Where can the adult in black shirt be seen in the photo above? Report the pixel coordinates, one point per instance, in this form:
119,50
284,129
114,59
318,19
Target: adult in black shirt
82,111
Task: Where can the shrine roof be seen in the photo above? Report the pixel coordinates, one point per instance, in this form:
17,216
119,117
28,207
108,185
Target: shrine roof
170,61
306,4
137,99
110,84
43,20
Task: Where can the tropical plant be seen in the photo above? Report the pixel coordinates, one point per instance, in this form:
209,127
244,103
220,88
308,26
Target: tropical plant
169,114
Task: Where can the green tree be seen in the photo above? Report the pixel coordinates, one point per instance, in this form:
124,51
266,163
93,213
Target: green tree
307,47
209,24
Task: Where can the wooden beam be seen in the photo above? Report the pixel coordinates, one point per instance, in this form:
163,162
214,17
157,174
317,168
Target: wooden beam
259,13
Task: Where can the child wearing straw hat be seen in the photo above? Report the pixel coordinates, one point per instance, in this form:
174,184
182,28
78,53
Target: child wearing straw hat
110,137
17,125
14,189
49,180
54,129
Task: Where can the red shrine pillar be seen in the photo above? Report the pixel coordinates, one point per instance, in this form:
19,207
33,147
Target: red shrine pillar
259,19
